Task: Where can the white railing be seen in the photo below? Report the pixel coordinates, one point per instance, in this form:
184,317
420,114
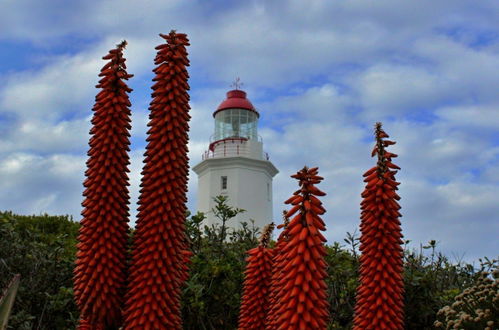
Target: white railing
231,148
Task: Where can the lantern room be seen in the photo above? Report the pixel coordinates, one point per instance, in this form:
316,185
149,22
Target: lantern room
236,117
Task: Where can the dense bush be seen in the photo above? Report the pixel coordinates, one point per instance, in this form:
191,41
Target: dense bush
42,248
431,281
212,294
342,283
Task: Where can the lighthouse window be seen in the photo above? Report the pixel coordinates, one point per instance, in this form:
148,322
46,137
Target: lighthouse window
224,183
235,123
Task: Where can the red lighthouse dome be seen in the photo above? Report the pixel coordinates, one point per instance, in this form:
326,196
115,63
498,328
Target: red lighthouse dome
236,99
235,118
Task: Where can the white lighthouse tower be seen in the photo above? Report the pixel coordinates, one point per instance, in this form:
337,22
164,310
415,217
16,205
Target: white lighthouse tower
235,164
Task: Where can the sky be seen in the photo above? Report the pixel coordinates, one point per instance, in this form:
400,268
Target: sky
320,73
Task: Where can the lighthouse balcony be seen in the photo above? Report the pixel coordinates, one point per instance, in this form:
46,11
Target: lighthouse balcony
236,147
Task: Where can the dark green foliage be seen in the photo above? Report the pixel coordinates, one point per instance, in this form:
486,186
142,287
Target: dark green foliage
224,213
431,281
342,284
41,249
212,294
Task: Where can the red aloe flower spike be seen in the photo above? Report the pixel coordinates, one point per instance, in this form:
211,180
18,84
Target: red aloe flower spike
100,270
380,303
300,298
160,250
278,263
254,304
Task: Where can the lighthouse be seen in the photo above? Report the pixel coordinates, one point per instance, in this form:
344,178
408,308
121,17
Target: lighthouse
235,164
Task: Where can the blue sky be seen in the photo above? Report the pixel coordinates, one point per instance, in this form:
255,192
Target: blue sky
321,73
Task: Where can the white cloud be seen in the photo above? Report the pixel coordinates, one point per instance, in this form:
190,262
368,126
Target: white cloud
317,103
455,214
468,72
434,159
396,90
320,73
31,184
62,88
438,151
42,136
485,117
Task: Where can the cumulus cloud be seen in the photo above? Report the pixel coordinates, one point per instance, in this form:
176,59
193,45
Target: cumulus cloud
397,90
483,116
31,184
44,137
320,75
440,151
61,88
455,214
440,195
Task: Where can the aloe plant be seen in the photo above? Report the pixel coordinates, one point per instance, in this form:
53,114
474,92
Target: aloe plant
257,277
160,252
379,300
301,300
100,271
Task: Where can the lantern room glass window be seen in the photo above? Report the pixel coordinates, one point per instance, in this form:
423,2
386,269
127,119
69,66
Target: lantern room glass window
236,123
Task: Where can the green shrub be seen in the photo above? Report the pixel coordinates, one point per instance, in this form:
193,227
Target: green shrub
431,281
41,249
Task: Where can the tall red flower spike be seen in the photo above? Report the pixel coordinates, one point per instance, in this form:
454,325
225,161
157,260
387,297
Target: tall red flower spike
100,271
278,263
256,286
302,301
380,302
160,254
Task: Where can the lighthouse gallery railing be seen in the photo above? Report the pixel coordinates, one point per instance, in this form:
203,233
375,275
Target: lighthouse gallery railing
231,147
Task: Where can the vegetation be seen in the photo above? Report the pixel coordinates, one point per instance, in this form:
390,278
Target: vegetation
477,307
213,291
42,248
